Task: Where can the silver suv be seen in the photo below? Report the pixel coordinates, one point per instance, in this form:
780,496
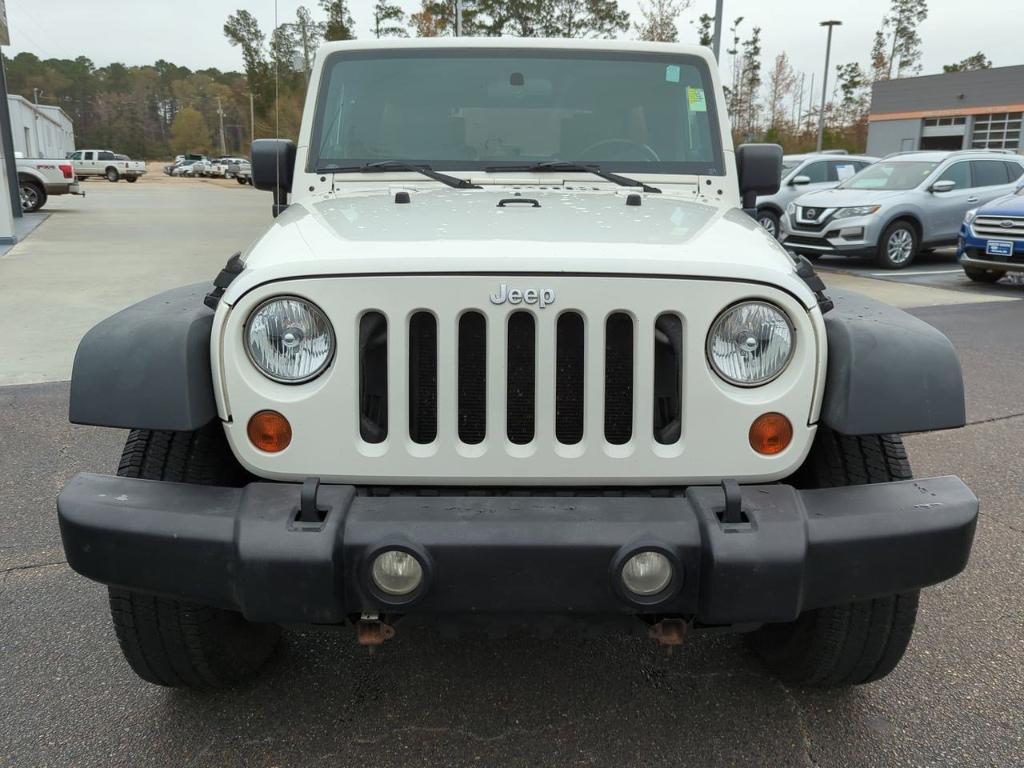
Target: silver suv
899,205
807,173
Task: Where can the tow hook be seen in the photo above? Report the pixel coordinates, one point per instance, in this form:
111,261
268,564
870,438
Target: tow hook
371,631
668,632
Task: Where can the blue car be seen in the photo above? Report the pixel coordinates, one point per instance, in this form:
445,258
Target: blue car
992,239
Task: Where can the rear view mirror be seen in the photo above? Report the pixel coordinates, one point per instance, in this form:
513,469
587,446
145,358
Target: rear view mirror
273,167
760,171
800,180
946,185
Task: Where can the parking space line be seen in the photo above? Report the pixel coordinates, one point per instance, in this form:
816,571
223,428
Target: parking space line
913,274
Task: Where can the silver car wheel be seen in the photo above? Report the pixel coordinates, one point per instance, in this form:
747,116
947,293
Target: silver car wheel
29,198
769,223
900,246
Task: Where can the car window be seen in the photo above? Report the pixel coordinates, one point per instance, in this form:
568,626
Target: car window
76,155
88,156
989,173
1014,171
841,170
816,172
959,173
789,165
892,174
106,156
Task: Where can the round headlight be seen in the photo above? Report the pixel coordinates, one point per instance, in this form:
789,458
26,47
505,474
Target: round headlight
396,572
750,343
647,573
289,339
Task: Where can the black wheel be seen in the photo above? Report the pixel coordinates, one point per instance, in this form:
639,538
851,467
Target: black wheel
112,174
131,179
239,179
859,642
898,246
770,221
33,195
171,642
983,275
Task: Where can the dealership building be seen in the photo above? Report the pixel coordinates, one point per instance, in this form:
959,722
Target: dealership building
981,109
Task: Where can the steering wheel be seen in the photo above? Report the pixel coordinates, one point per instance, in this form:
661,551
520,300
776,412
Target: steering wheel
628,143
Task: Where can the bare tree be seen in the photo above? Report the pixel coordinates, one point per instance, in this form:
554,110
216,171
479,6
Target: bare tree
658,20
781,82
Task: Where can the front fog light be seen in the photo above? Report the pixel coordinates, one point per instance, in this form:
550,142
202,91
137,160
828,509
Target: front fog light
647,573
396,572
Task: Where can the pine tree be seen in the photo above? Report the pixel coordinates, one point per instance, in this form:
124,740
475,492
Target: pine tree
904,18
339,24
977,61
388,20
705,32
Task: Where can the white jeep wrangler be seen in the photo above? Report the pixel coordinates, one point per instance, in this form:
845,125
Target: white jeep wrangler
513,353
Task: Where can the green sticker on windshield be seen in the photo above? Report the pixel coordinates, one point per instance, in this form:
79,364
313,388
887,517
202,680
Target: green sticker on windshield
696,100
672,73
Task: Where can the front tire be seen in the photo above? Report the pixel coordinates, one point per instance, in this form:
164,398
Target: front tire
858,642
32,194
173,642
898,246
131,179
112,175
770,221
983,275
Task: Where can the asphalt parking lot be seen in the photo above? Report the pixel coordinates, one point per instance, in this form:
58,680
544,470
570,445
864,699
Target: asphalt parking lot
68,699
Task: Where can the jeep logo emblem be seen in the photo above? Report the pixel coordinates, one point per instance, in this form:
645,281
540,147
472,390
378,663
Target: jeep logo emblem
539,296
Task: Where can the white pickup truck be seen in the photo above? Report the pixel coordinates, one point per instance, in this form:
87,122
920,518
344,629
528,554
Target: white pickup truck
103,162
39,178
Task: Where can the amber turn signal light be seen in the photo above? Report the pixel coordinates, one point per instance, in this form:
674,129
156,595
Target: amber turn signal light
771,433
269,431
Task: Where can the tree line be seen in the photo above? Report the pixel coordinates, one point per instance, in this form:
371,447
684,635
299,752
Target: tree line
158,110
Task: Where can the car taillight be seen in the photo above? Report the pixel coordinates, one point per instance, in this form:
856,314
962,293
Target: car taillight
67,170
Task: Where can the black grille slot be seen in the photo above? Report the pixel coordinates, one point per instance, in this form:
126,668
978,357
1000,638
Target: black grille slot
618,379
373,377
422,377
668,395
569,362
521,378
472,378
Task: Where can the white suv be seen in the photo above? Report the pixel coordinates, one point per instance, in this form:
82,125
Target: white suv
512,354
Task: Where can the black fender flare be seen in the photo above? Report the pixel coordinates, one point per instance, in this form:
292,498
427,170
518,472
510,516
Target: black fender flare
148,366
888,371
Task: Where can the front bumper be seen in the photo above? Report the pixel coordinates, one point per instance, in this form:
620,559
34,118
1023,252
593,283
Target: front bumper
244,549
971,253
844,237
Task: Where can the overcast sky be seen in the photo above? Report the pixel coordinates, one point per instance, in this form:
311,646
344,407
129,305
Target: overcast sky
189,32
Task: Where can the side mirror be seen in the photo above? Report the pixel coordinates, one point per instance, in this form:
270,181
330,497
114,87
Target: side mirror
273,168
760,170
800,180
943,186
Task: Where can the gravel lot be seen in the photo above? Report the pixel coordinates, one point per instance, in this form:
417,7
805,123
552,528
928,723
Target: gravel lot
68,699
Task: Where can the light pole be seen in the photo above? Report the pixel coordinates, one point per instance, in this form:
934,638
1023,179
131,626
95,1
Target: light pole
716,41
824,83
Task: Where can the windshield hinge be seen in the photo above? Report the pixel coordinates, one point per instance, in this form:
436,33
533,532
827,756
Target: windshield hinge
806,272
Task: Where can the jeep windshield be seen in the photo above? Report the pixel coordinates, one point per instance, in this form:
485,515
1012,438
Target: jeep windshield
895,175
469,109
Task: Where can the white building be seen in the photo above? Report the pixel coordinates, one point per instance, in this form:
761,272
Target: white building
40,130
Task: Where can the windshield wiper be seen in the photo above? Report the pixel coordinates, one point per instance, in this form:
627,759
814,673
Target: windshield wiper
387,166
559,166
